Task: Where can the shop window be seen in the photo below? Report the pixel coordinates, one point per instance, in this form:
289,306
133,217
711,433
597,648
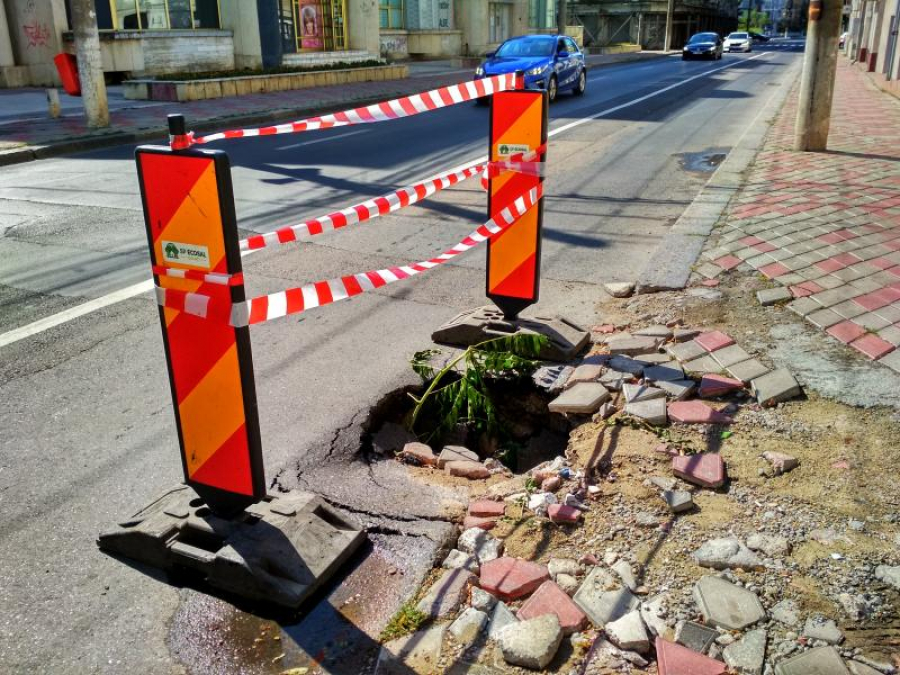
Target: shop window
542,13
157,14
391,13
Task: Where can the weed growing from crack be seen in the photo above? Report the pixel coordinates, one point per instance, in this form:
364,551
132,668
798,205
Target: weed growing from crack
407,620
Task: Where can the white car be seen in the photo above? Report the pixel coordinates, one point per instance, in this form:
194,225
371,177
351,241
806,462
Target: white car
738,42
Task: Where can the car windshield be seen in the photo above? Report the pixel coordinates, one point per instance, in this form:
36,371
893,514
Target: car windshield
527,47
737,36
702,37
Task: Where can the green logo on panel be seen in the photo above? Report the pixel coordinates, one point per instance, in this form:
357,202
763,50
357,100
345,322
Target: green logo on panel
171,251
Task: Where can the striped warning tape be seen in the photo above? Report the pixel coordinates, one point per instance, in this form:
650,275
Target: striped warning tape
405,106
295,300
207,277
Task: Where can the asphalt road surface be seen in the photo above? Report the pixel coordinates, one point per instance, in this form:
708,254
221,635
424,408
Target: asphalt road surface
88,432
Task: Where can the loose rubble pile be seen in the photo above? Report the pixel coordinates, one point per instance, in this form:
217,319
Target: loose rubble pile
592,606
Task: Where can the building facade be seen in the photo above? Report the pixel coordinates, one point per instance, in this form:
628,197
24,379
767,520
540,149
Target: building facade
872,36
141,38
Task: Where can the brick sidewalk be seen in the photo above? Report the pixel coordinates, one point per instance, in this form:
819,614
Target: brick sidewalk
826,225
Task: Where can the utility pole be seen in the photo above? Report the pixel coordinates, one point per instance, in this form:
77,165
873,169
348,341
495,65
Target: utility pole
817,81
670,16
90,66
562,16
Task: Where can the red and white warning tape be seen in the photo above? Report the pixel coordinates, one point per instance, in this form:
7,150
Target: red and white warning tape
394,201
405,106
220,279
295,300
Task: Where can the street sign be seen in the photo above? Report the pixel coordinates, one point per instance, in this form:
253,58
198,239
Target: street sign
191,226
518,125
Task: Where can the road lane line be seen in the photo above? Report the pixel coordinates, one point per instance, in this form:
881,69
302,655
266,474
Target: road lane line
321,140
145,286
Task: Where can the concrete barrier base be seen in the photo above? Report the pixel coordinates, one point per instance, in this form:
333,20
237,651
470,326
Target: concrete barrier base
566,338
278,551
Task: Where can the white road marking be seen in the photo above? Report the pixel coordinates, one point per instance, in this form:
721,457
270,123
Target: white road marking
145,286
322,140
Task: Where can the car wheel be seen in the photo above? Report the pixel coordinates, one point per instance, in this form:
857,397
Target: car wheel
552,89
582,83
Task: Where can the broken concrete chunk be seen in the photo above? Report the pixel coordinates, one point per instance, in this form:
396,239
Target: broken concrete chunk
531,644
727,553
725,605
629,633
601,603
584,398
888,575
771,544
484,546
468,626
563,566
623,569
780,462
747,655
552,378
446,594
787,612
654,612
419,454
456,559
470,470
619,289
501,617
774,387
678,501
482,600
820,628
419,652
657,331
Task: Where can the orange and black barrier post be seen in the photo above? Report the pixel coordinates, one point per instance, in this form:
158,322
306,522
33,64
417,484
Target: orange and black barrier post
192,229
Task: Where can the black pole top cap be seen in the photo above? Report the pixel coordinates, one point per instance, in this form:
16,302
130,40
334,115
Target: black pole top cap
176,125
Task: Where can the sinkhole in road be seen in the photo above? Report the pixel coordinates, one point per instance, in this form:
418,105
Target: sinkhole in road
526,432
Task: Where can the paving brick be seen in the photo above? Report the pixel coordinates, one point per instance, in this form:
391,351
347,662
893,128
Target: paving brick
819,661
696,412
713,340
686,351
771,296
632,345
725,605
673,659
892,360
747,370
601,603
641,392
846,331
891,334
728,356
551,599
847,309
583,398
706,469
560,513
418,453
772,270
652,411
695,636
872,346
487,508
774,387
455,453
665,371
709,270
677,389
446,594
804,306
718,385
467,469
891,313
729,262
512,578
479,522
657,331
703,365
824,318
586,372
871,321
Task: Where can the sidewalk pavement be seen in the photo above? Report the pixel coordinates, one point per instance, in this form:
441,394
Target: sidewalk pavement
38,136
825,226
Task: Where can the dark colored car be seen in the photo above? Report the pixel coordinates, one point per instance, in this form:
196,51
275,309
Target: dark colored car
550,62
758,37
703,46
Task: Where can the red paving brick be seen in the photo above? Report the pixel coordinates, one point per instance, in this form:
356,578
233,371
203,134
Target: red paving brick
716,385
713,340
846,331
551,599
706,470
512,578
872,346
872,301
765,247
750,241
673,659
881,263
560,513
487,508
477,521
773,270
830,265
728,262
696,412
895,271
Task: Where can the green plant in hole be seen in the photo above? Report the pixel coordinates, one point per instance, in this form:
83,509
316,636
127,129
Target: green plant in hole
459,392
407,620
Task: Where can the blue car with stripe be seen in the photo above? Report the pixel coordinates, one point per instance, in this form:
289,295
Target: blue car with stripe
553,63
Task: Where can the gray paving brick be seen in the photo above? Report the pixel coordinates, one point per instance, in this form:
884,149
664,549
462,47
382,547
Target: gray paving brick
811,273
804,306
848,309
890,334
892,360
864,268
835,295
871,321
828,282
774,387
702,366
819,661
866,285
771,296
790,279
685,351
849,274
730,355
746,253
824,318
708,270
891,313
747,370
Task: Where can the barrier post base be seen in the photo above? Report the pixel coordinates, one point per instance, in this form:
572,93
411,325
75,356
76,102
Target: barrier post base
566,338
277,551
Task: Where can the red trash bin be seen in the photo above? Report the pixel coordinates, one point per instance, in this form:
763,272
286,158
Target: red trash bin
67,67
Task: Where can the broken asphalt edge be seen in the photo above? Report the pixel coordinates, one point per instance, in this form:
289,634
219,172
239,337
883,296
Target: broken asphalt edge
670,265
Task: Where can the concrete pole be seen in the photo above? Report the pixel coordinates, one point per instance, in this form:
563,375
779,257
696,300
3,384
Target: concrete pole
817,81
562,16
670,16
90,66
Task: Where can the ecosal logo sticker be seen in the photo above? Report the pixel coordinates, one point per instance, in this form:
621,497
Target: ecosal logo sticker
185,254
507,149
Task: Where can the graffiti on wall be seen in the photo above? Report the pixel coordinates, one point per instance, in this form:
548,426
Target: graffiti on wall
37,34
394,44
